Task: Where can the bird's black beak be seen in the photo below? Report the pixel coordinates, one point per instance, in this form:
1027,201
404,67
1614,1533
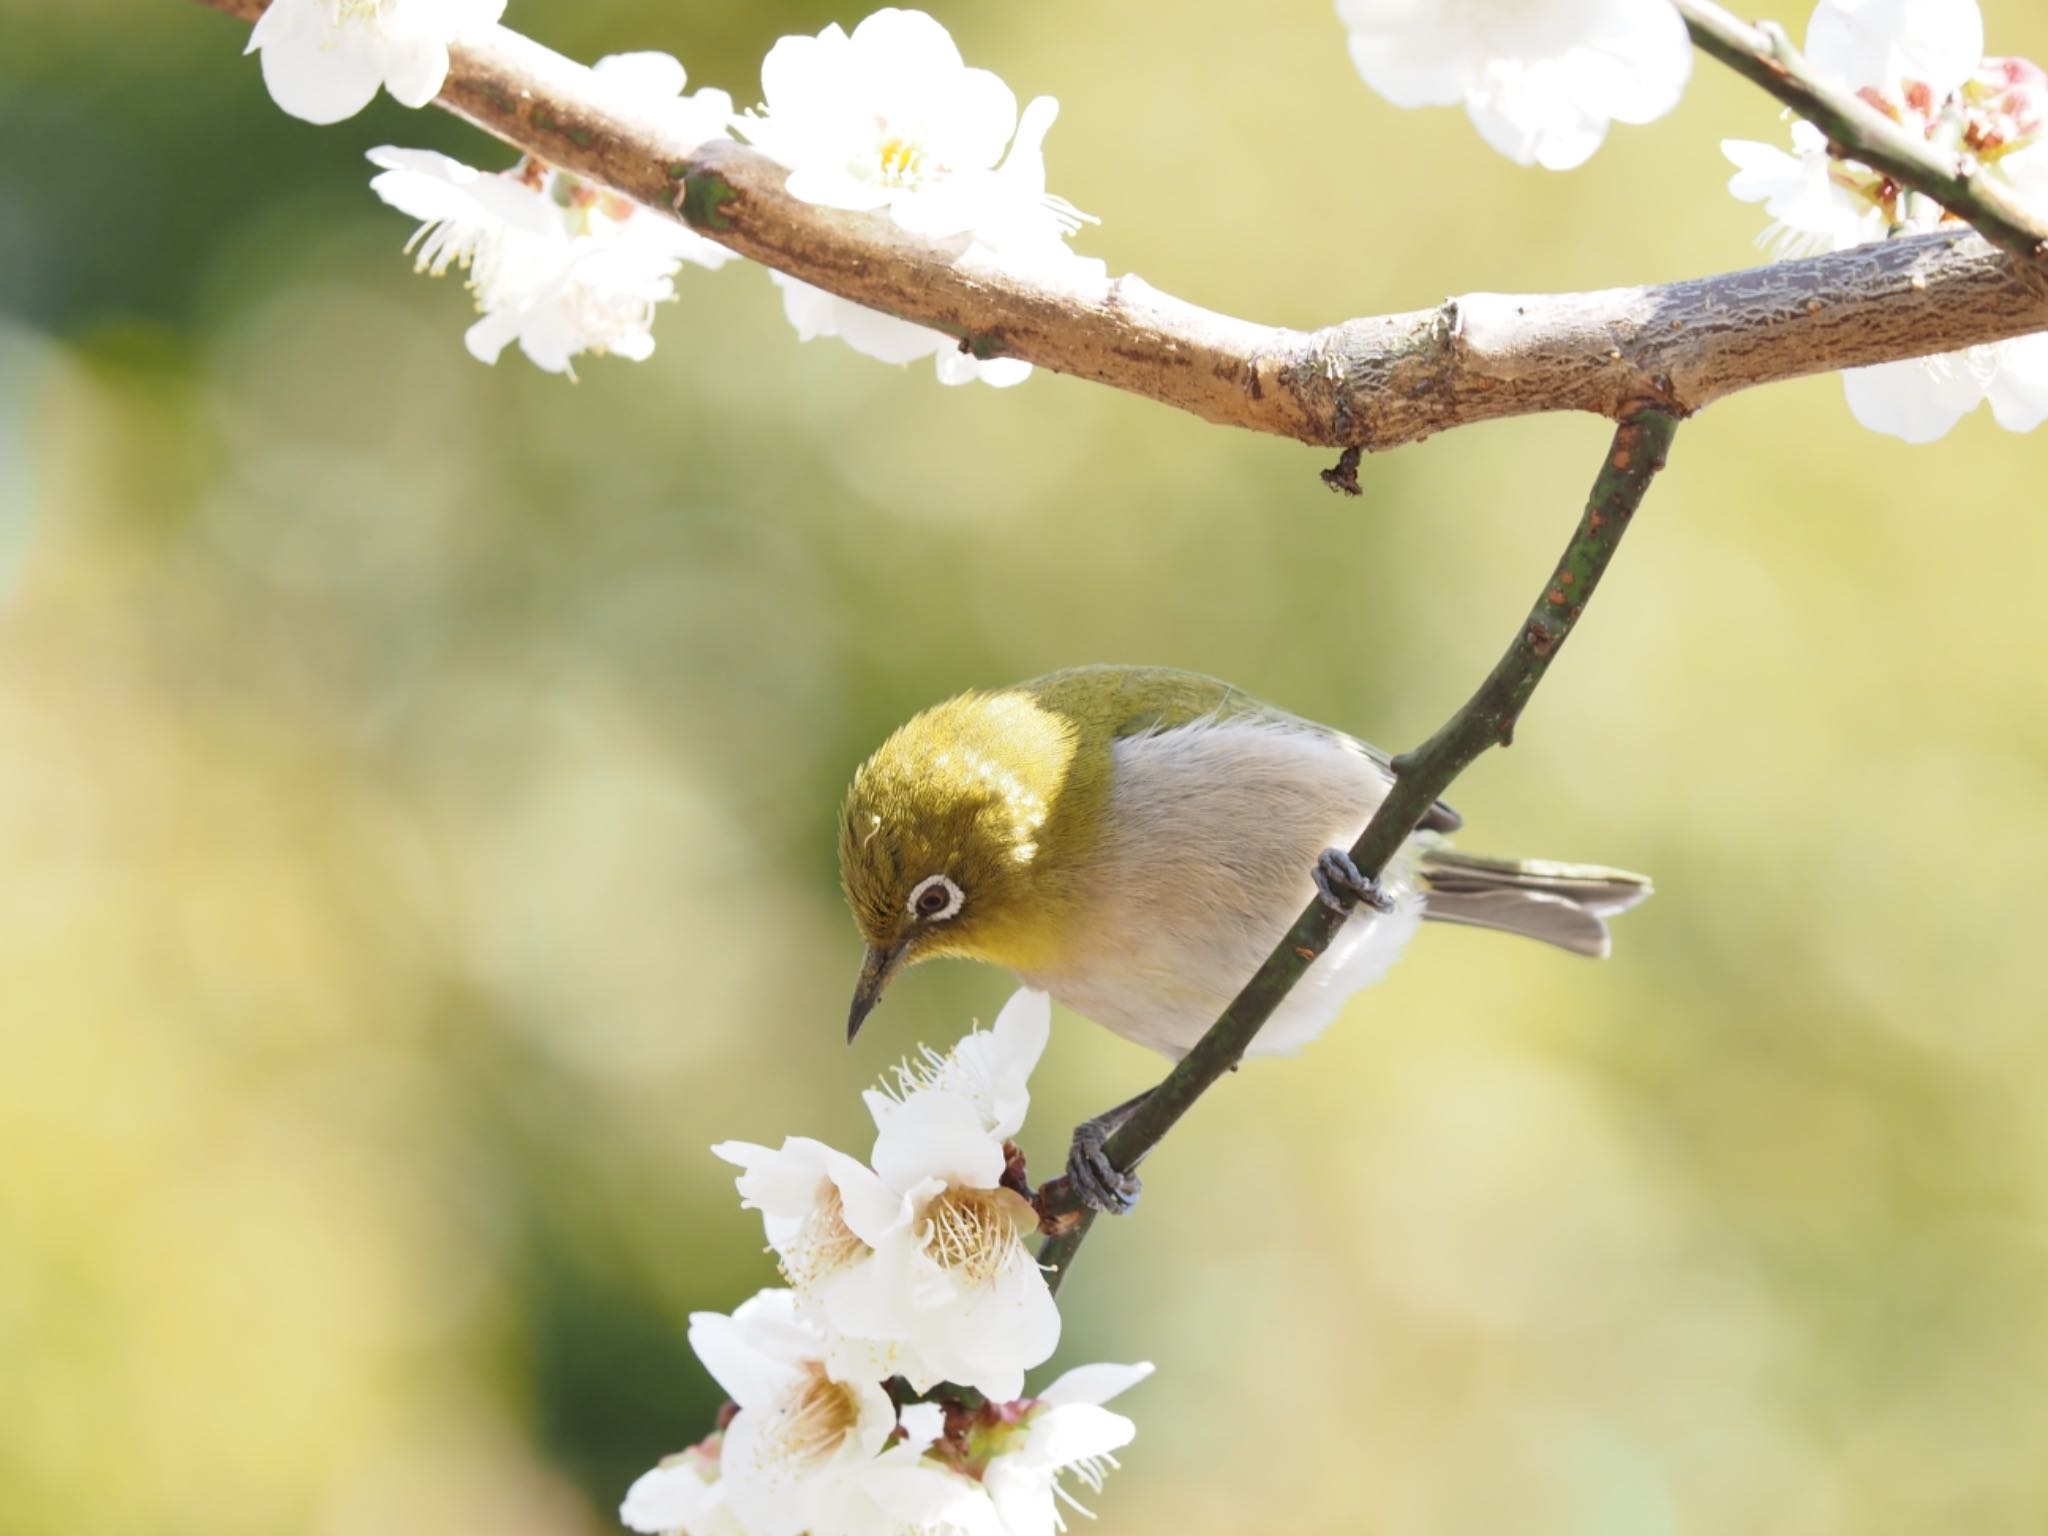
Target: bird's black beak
876,967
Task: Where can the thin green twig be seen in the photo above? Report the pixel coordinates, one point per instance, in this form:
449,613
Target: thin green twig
1486,720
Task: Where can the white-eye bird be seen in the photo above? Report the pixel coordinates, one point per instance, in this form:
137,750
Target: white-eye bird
1136,840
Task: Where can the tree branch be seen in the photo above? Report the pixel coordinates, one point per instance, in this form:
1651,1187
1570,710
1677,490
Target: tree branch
1374,383
1765,55
1487,719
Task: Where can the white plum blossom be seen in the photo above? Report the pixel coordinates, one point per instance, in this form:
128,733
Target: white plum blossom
1540,79
800,1190
920,1265
799,1433
955,1285
906,1490
682,1496
989,1068
557,265
1920,62
824,1215
890,118
995,1470
1919,399
600,299
803,1451
534,280
470,217
1812,209
1064,1429
915,1267
323,60
900,1489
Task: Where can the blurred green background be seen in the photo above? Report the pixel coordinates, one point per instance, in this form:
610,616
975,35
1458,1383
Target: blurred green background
417,787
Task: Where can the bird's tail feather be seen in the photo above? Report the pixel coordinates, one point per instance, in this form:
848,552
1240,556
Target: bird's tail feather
1562,904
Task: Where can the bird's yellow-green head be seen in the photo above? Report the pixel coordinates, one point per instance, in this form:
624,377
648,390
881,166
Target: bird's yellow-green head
956,834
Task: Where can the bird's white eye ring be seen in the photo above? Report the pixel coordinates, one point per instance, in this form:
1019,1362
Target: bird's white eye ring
936,898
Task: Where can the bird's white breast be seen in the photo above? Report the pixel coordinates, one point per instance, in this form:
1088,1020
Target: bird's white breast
1211,832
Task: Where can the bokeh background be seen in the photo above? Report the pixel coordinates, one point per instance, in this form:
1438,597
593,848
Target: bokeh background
417,785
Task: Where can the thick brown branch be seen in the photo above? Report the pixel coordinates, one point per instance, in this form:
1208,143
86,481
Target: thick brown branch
1375,382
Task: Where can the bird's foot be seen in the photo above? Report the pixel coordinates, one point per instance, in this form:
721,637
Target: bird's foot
1099,1183
1342,886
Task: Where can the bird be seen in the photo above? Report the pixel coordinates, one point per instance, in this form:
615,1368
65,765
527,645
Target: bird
1135,841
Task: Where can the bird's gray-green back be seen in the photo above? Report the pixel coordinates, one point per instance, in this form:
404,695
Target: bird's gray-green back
1125,701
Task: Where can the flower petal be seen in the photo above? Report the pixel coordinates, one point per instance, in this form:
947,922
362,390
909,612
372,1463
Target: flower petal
1403,56
1076,1432
2019,389
1884,42
649,75
1023,1497
1095,1383
315,82
487,339
1002,1061
757,1483
672,1497
934,1134
1916,401
732,1353
871,1209
885,338
993,1334
784,1183
414,75
924,1498
957,367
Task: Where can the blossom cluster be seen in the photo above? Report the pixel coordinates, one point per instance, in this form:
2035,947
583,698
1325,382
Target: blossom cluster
556,264
1921,63
887,118
907,1272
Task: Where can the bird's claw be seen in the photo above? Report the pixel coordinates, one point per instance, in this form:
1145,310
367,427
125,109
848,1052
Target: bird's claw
1099,1183
1342,886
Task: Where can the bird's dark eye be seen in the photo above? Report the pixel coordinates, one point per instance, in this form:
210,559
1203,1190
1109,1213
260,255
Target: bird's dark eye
936,898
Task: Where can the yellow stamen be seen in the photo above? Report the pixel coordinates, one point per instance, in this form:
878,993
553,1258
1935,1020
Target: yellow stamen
813,1420
822,1246
976,1233
901,162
